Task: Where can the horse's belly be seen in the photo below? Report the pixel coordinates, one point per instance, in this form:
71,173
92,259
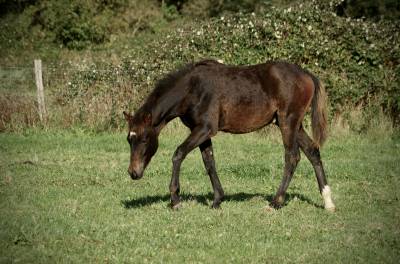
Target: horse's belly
240,119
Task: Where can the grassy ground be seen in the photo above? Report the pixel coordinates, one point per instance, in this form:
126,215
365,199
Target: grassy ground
66,197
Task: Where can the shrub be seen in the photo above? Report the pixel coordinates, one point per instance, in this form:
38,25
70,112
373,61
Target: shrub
376,10
75,24
358,60
72,23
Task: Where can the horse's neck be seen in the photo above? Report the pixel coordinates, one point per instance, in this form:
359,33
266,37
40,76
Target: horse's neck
163,109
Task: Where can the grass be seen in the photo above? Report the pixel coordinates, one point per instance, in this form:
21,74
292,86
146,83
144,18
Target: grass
66,197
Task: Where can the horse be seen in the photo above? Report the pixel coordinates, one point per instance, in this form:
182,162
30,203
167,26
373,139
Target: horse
209,96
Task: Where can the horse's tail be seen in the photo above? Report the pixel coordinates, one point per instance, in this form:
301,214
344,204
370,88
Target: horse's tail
318,113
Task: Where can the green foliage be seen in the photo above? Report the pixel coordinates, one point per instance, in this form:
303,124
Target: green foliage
383,9
14,6
72,23
77,30
357,60
246,6
77,24
212,8
170,12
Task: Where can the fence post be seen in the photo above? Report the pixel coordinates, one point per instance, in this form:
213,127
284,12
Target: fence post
40,92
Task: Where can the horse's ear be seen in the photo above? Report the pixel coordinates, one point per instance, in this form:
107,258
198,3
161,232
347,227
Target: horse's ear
127,116
147,118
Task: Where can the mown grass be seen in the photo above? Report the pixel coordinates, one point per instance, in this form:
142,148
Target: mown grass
66,197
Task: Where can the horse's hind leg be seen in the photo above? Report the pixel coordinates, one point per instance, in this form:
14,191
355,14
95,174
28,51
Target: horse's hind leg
312,153
289,128
208,159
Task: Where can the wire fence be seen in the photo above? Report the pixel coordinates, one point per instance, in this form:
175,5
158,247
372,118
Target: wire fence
23,77
16,78
88,94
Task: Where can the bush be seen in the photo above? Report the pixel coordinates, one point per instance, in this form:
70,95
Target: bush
71,23
376,10
75,24
358,60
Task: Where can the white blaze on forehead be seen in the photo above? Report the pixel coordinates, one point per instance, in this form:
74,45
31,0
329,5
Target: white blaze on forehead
132,134
327,195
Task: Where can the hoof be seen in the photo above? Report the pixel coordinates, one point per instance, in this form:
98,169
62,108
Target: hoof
330,209
277,202
176,207
269,209
275,205
215,206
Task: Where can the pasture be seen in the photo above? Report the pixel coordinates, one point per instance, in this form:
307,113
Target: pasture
67,197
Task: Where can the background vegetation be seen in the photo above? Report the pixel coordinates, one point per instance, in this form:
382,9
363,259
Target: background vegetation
65,195
101,57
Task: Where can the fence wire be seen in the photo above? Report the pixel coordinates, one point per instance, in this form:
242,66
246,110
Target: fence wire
74,95
14,79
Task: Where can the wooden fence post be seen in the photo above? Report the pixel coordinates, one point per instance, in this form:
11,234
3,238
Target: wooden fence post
40,92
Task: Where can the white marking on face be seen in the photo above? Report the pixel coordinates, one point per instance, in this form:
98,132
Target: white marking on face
327,195
211,153
132,134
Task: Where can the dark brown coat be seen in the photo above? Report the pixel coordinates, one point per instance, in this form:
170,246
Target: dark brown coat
209,97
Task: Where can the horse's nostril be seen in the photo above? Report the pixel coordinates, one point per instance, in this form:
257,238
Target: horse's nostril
133,174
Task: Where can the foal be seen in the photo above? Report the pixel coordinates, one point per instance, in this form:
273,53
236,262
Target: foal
209,97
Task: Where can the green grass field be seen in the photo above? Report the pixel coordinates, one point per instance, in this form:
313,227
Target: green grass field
66,197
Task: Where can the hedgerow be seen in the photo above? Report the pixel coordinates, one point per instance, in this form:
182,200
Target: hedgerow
357,60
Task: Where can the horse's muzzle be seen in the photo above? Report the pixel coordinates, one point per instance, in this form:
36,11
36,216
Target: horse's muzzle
134,175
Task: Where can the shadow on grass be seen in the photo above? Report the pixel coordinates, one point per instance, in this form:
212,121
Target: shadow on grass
206,199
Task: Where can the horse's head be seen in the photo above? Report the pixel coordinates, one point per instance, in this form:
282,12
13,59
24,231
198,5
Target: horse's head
143,141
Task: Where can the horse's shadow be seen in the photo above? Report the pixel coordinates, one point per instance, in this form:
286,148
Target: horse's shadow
205,198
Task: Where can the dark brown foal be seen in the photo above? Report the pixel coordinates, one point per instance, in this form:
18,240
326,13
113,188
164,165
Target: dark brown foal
209,97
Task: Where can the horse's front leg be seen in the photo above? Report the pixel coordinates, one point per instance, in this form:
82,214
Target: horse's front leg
197,136
209,162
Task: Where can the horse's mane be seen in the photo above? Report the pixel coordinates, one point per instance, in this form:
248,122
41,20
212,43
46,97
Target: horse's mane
169,81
